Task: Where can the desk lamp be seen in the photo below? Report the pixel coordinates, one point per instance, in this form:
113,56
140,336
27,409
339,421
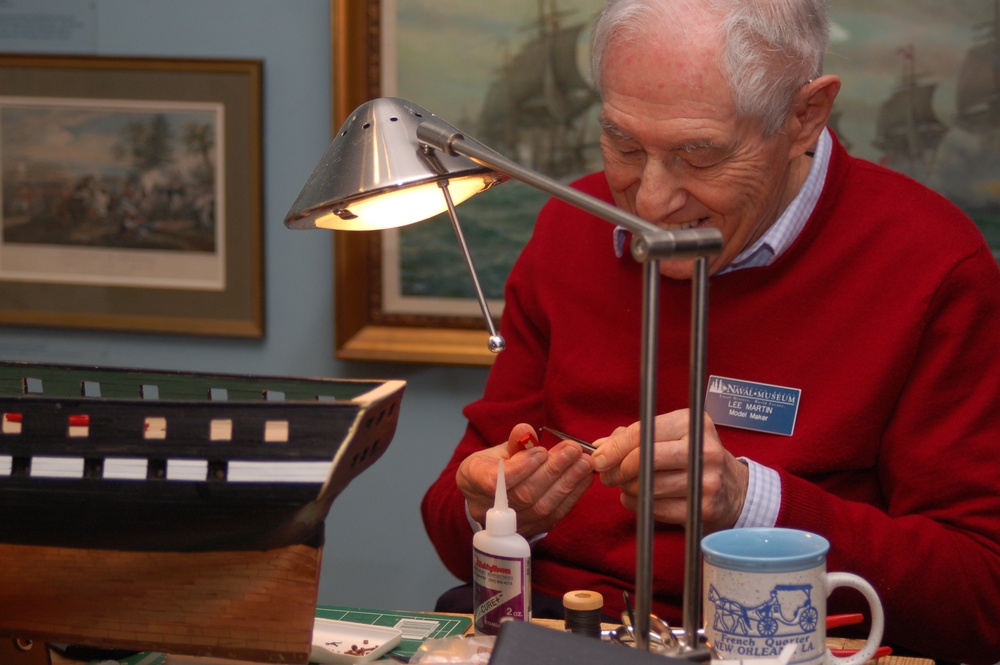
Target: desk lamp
393,163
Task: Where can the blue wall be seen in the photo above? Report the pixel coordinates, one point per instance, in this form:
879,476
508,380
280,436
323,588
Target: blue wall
377,554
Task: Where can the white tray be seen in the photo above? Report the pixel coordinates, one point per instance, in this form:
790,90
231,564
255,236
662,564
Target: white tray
347,642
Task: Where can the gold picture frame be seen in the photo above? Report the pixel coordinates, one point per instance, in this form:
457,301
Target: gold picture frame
144,212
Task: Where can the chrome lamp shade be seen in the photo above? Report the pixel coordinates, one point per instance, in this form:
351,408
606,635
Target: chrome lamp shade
375,175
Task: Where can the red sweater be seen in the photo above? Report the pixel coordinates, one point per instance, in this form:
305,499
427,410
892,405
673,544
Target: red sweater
885,312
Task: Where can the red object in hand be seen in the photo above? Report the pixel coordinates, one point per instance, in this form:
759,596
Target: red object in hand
527,440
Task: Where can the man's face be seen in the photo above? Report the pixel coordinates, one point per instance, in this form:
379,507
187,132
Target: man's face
675,153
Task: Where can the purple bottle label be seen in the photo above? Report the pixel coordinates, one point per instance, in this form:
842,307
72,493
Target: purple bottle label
501,590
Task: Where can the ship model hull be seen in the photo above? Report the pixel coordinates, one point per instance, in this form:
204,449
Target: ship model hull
175,512
157,516
255,606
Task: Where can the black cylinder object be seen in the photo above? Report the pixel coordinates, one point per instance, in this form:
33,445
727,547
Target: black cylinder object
583,612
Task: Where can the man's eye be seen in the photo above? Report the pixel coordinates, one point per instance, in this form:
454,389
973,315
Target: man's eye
628,151
701,160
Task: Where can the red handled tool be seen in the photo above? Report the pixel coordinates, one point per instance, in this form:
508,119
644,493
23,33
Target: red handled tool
837,620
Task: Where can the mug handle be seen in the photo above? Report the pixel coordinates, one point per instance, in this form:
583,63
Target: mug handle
834,580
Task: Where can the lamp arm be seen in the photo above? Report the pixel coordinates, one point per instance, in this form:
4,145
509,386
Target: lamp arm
649,240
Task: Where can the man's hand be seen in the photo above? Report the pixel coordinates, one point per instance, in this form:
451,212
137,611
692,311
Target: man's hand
725,479
542,485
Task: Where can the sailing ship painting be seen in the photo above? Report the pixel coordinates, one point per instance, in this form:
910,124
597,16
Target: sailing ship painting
517,80
977,94
535,109
906,130
921,95
520,78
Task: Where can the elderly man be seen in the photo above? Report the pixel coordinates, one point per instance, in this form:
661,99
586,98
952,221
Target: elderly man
872,299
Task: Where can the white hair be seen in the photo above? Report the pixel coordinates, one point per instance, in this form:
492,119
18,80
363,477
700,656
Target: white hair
771,47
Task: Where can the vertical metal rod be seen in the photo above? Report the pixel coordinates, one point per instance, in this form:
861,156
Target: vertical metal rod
696,435
496,342
647,416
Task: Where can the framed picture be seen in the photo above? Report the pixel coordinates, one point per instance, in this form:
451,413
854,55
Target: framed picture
131,194
919,91
406,294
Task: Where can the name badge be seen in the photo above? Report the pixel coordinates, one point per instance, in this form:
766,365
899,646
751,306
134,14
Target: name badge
755,406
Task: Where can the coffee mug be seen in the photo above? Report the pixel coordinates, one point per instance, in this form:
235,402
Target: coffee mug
766,588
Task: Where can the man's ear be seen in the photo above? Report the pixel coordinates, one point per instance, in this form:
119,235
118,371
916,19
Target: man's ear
811,111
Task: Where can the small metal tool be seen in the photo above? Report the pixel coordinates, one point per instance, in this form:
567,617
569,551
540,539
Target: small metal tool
586,445
661,638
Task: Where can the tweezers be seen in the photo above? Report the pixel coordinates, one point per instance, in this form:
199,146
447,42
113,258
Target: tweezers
589,447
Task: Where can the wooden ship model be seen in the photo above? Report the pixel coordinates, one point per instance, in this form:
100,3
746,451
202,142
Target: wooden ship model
175,512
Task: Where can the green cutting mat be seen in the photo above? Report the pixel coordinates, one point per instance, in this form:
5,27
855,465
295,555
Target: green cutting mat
416,626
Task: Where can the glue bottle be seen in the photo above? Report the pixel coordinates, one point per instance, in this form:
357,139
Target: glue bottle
501,567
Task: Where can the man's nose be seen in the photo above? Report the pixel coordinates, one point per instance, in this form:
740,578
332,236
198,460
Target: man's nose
660,194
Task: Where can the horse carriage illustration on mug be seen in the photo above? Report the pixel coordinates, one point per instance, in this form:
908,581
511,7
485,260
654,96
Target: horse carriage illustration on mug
787,604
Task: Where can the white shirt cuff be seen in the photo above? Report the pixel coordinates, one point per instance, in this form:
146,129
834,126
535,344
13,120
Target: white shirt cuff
763,500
